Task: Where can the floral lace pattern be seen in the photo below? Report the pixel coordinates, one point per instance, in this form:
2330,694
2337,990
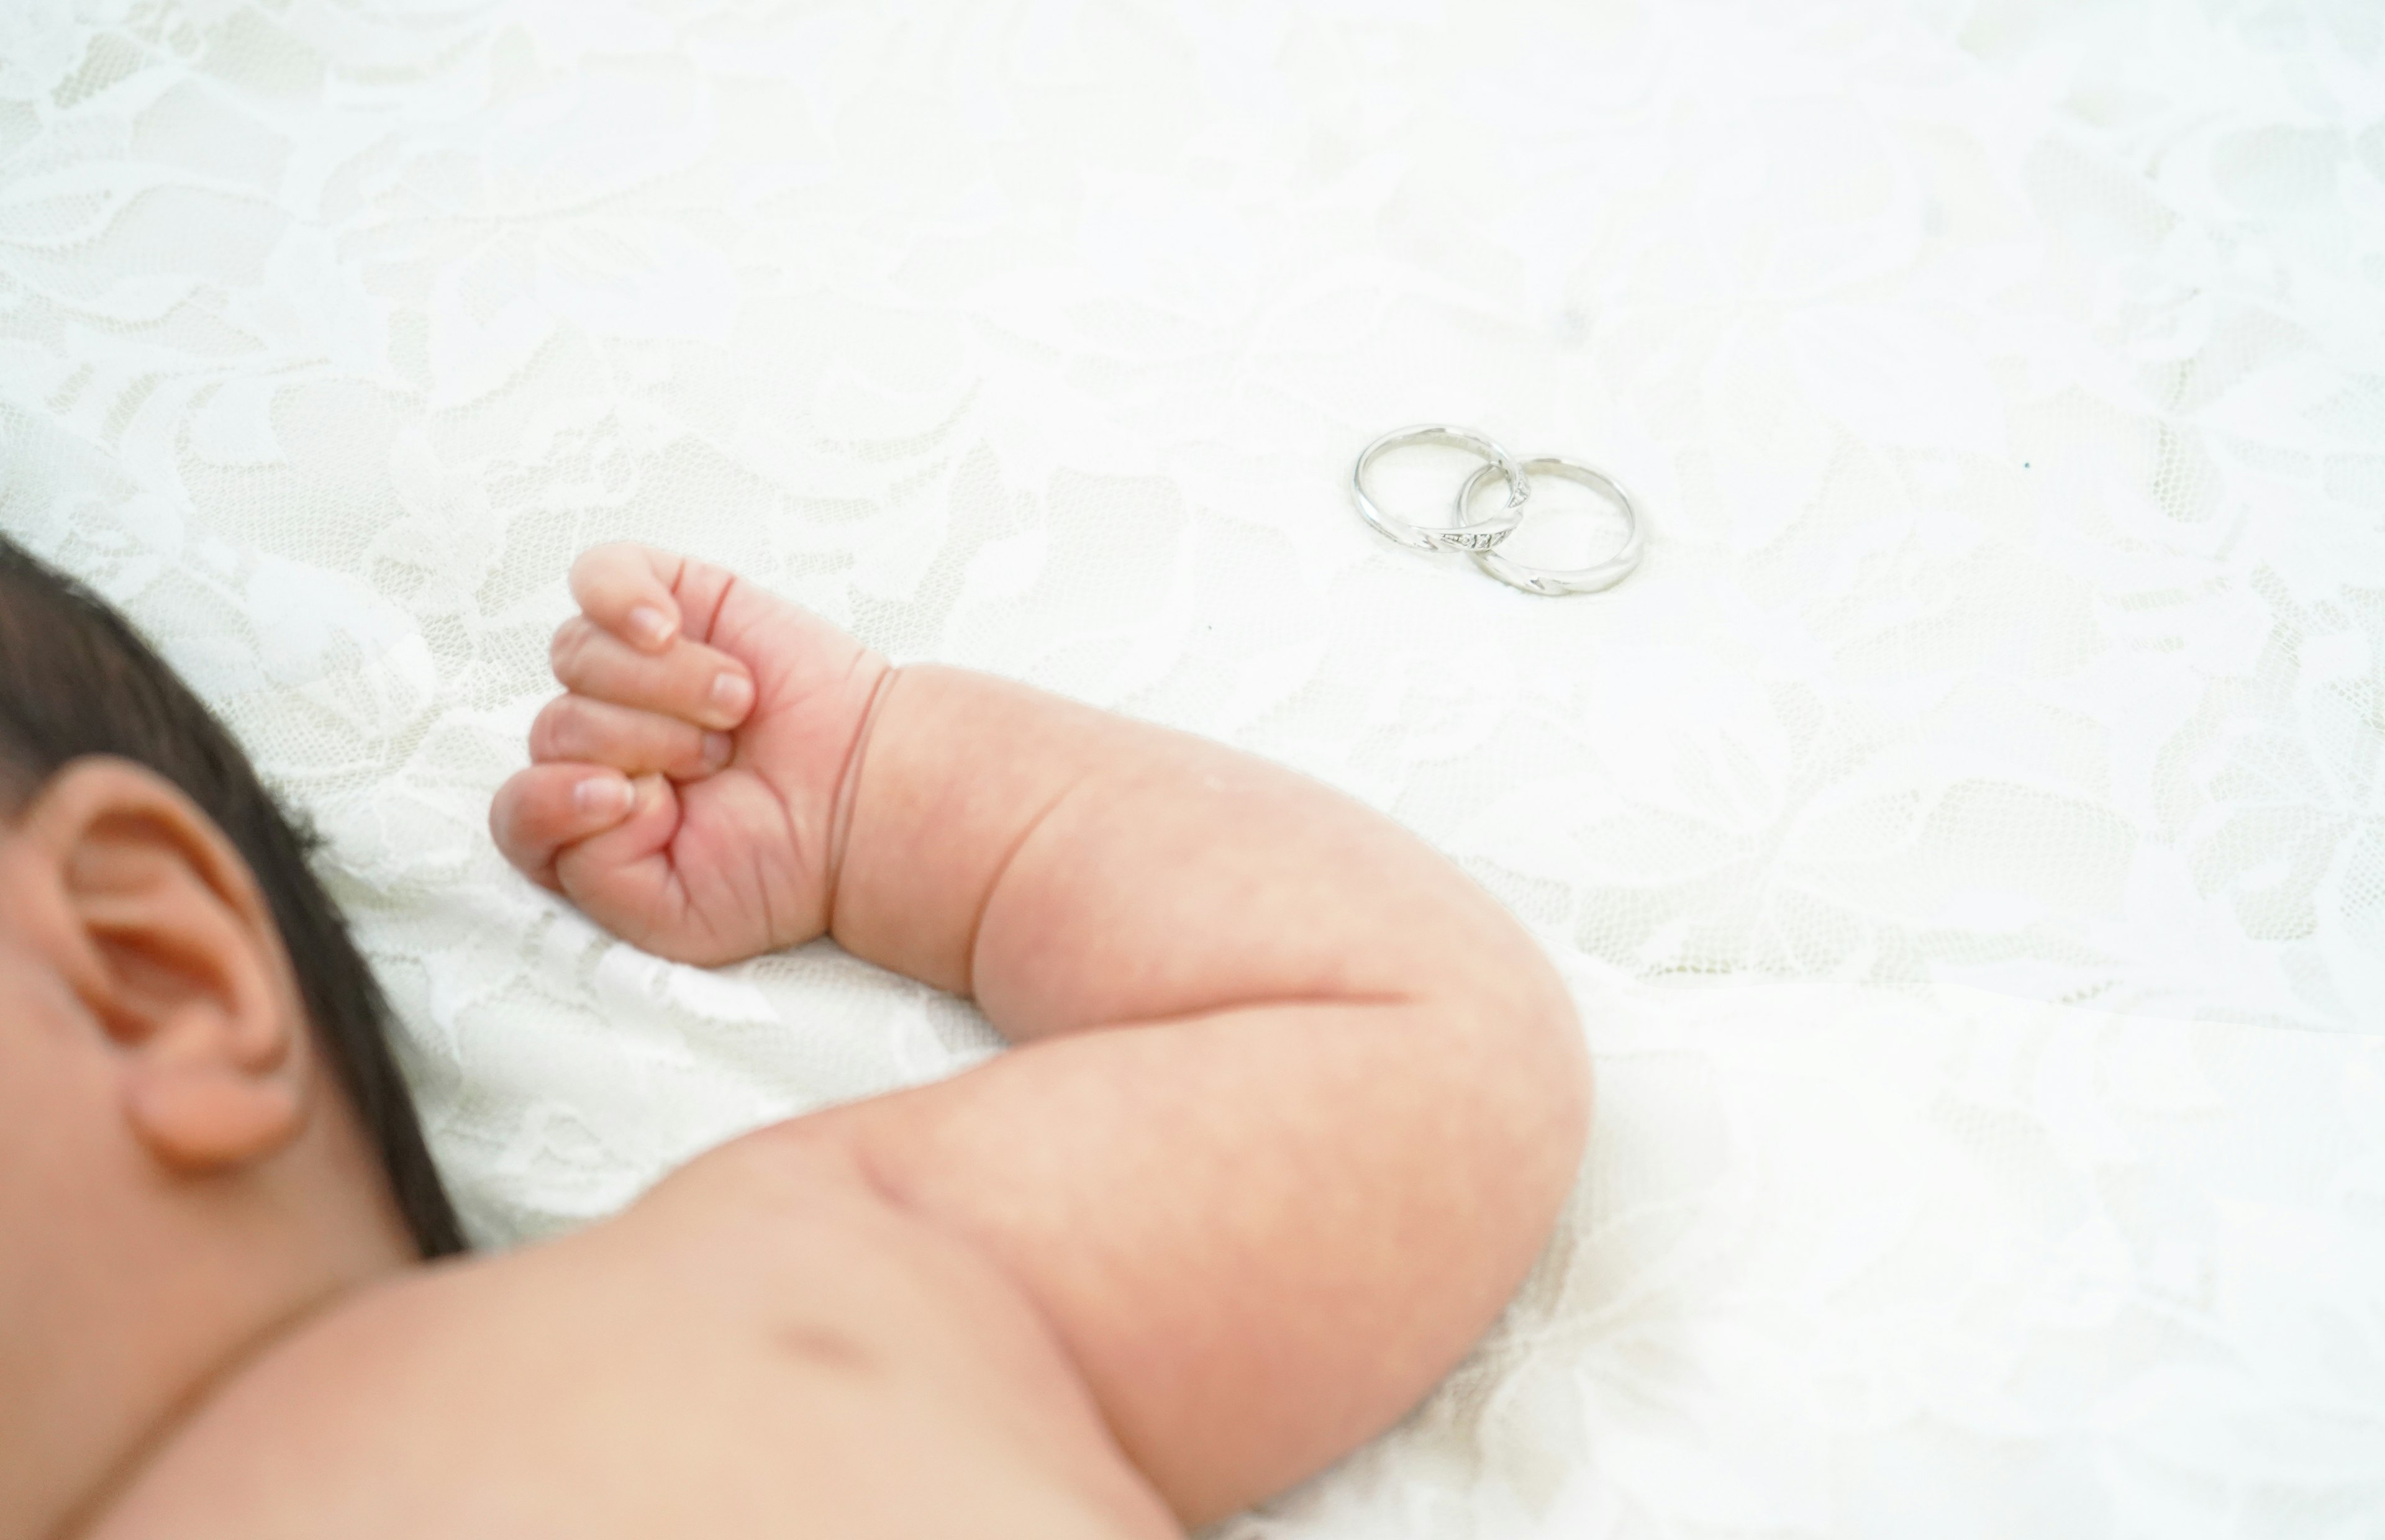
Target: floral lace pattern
1964,832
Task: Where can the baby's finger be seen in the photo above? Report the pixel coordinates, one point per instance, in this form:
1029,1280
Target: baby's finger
540,811
625,588
587,731
689,680
623,878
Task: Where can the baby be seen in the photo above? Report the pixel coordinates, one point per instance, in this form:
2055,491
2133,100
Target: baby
1289,1112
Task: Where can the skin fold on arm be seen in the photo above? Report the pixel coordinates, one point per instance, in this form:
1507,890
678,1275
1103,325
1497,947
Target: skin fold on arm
1292,1103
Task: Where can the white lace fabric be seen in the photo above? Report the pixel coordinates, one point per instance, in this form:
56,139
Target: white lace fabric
1964,833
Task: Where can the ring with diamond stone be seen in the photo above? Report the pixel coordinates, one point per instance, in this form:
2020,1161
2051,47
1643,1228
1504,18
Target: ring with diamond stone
1477,537
1556,580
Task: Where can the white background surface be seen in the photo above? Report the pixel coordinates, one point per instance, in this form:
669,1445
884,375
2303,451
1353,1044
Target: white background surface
1965,834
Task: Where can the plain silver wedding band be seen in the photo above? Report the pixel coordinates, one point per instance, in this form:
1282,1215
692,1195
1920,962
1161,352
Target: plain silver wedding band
1476,538
1550,581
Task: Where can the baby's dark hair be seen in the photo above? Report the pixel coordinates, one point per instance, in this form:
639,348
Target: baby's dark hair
75,679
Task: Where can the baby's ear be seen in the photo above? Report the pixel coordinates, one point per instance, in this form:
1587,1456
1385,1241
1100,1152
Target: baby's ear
160,931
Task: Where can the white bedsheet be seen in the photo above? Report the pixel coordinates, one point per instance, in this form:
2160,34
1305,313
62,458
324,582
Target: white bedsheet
1965,834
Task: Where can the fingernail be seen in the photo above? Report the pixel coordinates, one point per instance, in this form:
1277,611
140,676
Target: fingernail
601,794
650,626
732,693
718,747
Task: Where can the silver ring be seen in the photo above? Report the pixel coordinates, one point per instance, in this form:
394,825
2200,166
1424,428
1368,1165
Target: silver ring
1476,536
1548,580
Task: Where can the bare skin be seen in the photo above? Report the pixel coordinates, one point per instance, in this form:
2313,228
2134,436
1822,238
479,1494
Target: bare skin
1290,1110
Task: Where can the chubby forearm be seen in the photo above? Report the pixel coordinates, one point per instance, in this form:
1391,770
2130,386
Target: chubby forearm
1266,1218
1071,868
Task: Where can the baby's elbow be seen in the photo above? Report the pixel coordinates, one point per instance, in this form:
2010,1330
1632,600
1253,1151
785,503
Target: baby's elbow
1564,1091
1551,1085
1521,1087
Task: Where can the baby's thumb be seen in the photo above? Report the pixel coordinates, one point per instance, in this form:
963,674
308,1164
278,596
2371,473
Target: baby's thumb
540,811
622,879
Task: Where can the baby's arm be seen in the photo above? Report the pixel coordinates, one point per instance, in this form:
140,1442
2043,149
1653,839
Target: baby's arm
1295,1102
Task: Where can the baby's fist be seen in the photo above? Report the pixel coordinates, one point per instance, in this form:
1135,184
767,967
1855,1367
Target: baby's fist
685,788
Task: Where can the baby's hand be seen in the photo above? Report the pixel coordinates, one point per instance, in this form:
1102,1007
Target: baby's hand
684,790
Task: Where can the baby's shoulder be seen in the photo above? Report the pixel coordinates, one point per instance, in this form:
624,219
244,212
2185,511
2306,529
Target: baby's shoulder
762,1327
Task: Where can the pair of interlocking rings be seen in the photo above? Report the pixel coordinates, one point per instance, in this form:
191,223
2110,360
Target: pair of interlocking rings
1480,538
